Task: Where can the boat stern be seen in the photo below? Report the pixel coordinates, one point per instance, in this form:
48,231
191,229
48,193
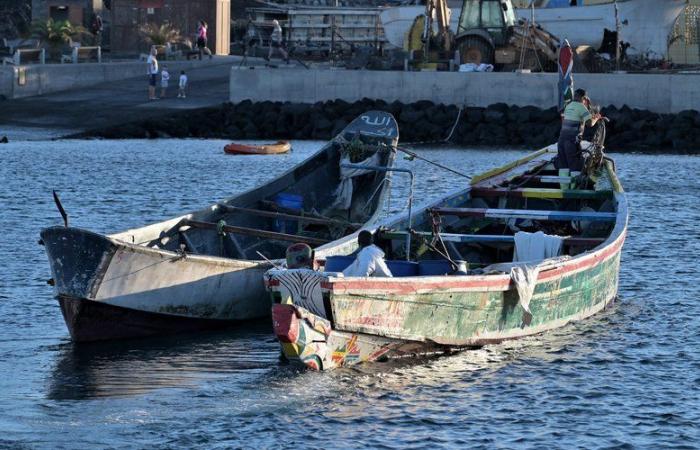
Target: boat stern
299,317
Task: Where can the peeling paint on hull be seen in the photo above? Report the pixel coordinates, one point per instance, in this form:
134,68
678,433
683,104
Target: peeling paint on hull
150,291
369,319
88,320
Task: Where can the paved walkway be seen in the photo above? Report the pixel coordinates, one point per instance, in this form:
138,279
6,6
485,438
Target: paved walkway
65,113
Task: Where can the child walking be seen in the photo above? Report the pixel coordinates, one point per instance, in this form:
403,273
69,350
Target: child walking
182,85
164,78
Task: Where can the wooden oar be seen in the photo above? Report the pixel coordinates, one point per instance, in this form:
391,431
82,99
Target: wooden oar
57,201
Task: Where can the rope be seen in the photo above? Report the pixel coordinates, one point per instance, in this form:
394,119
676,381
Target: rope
415,155
444,140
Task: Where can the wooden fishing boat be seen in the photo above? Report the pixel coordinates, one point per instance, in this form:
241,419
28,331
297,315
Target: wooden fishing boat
265,149
205,269
324,320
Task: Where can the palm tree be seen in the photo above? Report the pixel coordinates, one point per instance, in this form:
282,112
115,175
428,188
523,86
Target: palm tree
153,34
55,34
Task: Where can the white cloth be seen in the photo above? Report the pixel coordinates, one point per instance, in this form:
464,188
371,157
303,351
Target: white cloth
183,81
525,278
165,76
152,65
343,194
368,263
535,247
471,67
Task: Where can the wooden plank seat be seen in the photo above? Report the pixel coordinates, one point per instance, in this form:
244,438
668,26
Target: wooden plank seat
25,56
532,214
553,179
487,238
254,232
541,193
86,54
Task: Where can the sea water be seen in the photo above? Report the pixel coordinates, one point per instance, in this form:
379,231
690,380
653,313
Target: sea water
628,377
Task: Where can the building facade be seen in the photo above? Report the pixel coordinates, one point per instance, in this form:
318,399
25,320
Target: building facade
128,16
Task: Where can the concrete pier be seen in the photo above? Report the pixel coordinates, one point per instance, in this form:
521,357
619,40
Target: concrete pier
108,103
40,79
657,93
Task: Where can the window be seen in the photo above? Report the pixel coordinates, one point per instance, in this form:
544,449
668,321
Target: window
492,14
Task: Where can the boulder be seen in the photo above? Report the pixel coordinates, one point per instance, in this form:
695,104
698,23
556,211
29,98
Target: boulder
474,115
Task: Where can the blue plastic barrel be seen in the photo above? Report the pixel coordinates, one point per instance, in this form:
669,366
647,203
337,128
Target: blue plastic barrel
403,268
338,263
289,201
434,267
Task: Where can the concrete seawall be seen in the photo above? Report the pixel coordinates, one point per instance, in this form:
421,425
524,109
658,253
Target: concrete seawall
47,78
657,93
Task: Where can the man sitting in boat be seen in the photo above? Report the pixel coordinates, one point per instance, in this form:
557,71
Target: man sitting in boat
300,256
369,261
576,117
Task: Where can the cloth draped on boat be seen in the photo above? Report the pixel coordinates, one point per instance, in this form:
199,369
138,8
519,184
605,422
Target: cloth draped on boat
534,247
525,277
343,194
304,286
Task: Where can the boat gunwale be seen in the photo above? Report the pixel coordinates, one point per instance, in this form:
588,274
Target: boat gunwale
291,170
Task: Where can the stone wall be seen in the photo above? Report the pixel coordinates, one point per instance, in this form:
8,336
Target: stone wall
496,125
129,15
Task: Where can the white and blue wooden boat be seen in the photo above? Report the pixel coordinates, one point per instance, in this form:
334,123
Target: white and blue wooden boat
204,269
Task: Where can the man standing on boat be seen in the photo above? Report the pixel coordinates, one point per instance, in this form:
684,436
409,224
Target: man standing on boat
369,261
576,117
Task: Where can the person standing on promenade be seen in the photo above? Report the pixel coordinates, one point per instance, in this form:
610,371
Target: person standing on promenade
96,28
152,71
276,41
202,39
182,85
164,78
576,117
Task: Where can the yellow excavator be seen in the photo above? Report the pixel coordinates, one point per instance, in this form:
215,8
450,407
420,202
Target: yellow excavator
487,33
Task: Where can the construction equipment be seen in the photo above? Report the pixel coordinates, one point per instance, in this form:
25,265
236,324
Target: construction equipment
487,33
428,47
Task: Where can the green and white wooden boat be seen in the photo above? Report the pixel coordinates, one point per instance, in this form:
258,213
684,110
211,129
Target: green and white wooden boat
324,320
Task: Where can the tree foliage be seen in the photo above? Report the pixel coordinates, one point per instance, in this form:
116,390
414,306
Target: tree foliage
153,34
54,33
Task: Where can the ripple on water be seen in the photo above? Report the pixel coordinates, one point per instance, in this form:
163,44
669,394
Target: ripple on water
624,379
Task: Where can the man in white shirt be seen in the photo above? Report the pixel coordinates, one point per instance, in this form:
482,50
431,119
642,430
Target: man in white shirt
152,63
369,261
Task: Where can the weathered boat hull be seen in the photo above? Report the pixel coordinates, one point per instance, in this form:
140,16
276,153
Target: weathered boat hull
379,322
148,291
150,286
89,320
325,321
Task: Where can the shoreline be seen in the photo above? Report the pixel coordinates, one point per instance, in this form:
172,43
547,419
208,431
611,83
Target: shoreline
499,125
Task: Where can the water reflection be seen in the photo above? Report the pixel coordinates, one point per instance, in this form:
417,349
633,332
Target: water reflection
134,367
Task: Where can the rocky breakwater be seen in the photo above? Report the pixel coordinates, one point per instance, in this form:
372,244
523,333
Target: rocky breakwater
497,125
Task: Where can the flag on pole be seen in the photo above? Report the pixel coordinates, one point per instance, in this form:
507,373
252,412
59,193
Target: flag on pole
566,78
